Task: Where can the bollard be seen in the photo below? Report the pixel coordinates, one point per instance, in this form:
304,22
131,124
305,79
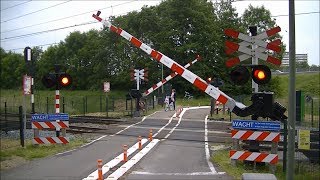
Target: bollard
140,145
125,155
100,177
150,135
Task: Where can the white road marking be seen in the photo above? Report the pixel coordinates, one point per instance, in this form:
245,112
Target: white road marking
106,167
164,126
133,124
213,170
181,114
104,136
183,130
176,174
125,167
130,163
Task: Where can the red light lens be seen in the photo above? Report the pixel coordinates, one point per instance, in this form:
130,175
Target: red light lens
259,74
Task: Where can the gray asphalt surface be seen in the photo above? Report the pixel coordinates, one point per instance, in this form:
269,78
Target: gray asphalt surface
71,165
180,156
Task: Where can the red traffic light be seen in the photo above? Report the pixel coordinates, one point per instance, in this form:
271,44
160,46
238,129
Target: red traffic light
261,74
209,79
49,80
64,80
240,75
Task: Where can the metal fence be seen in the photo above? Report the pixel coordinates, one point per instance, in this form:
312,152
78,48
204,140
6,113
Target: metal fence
79,105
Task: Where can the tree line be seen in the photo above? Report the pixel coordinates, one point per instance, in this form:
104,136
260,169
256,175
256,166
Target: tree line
179,29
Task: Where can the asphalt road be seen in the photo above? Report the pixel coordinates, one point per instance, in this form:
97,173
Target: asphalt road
180,154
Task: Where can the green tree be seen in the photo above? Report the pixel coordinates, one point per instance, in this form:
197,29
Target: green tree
13,67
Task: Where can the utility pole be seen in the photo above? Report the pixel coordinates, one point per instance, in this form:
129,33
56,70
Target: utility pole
292,90
253,30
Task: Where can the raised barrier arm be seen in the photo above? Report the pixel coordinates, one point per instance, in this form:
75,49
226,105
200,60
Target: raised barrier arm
168,78
235,107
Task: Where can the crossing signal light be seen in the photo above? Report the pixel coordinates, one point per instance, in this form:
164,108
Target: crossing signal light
260,74
240,75
64,80
216,82
50,80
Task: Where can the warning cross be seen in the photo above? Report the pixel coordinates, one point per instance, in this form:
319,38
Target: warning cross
257,41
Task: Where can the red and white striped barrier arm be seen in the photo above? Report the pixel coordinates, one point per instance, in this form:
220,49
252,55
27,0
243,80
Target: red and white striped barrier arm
236,60
254,156
183,72
50,125
50,140
255,135
168,78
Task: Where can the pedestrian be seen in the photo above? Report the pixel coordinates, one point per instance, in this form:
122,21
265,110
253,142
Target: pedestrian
173,98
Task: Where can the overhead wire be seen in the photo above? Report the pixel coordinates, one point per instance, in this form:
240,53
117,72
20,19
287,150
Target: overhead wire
34,12
46,31
67,17
15,5
40,45
304,13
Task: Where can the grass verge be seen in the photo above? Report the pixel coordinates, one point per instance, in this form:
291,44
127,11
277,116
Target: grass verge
221,158
12,154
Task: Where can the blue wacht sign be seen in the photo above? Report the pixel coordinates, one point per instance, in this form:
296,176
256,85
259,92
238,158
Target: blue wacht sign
256,125
50,117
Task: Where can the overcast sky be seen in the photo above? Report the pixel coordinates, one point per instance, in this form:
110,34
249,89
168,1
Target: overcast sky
34,23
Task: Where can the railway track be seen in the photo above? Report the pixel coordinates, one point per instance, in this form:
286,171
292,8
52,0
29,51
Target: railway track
74,129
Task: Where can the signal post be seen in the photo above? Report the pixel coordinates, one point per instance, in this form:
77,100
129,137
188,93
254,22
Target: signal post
58,79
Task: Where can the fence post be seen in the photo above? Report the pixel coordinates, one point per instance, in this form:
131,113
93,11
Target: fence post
100,103
126,104
84,106
107,107
47,104
113,104
21,126
63,110
153,102
311,112
5,117
131,108
285,134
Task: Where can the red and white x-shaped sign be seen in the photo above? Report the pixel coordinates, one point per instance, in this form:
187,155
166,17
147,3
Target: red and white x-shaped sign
252,40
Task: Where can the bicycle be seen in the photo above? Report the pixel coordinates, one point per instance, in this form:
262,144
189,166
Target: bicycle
187,95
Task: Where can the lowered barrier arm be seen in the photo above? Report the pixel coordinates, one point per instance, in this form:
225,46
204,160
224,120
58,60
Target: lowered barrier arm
236,107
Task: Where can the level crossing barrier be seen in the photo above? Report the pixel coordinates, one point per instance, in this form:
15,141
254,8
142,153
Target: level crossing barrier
258,131
48,121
